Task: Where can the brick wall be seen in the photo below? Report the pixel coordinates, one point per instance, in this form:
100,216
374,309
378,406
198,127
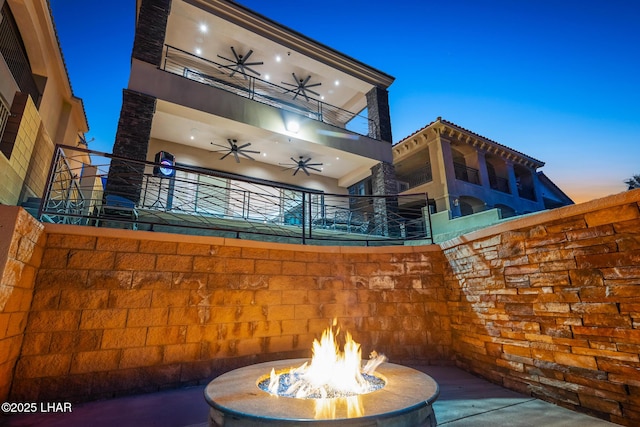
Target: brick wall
20,254
550,306
141,311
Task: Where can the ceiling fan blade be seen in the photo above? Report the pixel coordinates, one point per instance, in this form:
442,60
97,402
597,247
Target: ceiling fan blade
305,171
304,83
314,169
294,174
295,79
244,60
315,93
223,146
245,145
293,160
230,60
305,162
252,70
235,54
246,155
253,63
223,157
235,154
251,151
313,85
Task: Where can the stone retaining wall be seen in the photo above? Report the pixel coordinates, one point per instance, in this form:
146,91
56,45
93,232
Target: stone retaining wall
116,311
21,240
550,306
546,304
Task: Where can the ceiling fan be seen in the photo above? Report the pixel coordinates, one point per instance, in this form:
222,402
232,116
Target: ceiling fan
240,63
234,149
301,165
301,87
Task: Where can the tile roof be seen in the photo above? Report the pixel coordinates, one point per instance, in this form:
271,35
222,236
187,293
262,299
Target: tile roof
460,128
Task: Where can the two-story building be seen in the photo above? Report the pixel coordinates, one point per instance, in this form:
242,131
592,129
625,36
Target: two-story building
37,106
465,174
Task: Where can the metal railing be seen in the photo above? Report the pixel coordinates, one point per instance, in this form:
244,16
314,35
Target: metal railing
185,64
64,201
499,184
417,177
465,173
205,202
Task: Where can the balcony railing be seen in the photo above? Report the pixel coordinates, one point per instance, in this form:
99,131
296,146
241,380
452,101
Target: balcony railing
205,202
64,201
417,177
499,184
464,173
185,64
527,192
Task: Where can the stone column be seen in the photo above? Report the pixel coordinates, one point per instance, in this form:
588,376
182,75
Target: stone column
132,142
383,182
150,31
378,109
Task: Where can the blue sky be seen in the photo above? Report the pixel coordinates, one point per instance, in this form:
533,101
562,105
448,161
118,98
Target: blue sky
557,80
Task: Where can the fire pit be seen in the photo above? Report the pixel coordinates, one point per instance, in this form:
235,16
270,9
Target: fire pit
293,393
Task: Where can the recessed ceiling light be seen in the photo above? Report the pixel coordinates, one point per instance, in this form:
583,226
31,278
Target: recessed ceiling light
267,77
337,82
193,137
337,158
292,126
322,97
203,28
198,51
264,154
278,58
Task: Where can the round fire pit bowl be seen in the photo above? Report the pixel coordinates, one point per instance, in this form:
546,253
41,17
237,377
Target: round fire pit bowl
237,401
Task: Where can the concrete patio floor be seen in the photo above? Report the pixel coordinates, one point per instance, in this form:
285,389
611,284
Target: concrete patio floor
465,400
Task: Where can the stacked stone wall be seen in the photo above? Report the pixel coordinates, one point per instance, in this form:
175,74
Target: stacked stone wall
552,308
21,245
146,311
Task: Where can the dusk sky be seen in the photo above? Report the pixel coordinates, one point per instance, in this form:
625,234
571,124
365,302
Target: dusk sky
555,79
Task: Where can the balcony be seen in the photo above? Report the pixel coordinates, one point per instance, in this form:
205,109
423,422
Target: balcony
213,203
192,67
499,184
417,177
467,174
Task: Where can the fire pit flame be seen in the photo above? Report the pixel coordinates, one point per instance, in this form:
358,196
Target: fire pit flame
331,372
